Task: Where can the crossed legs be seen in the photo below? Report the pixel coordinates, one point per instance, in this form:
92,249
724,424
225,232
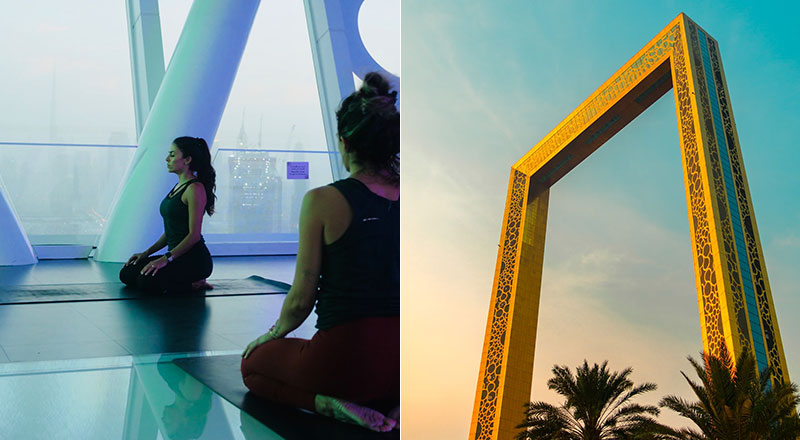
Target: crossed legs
334,373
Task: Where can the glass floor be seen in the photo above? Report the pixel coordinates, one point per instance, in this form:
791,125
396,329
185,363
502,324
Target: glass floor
127,397
102,370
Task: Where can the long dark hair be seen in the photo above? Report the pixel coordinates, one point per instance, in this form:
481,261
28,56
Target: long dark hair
369,123
198,150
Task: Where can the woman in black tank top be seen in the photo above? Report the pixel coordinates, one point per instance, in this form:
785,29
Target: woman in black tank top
187,262
348,264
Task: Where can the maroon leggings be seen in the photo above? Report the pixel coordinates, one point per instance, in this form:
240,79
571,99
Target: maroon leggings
357,361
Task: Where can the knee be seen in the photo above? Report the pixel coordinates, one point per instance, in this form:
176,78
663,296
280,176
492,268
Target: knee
128,275
243,367
248,373
247,368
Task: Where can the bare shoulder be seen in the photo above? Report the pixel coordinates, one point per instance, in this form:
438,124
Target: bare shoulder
194,191
324,197
196,186
324,203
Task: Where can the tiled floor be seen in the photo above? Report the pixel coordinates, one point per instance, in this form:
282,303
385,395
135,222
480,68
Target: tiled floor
100,369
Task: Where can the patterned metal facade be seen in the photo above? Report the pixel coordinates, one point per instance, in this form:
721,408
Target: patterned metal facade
734,298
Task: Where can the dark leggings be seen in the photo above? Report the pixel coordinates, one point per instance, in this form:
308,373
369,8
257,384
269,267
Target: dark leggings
357,361
175,277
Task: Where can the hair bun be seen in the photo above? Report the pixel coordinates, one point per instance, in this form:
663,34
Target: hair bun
369,123
378,83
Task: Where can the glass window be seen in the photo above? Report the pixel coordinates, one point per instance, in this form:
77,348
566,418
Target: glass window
274,102
66,75
274,105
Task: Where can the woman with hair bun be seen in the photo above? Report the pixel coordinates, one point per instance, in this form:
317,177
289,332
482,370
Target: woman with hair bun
187,262
348,264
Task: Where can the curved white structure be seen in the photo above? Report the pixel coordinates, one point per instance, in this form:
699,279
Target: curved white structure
15,249
339,53
190,102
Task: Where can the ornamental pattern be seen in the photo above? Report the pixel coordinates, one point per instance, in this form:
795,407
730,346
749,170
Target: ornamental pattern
702,162
603,100
707,277
487,413
723,210
748,222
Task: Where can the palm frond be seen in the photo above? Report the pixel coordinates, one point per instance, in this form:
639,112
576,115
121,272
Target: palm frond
736,402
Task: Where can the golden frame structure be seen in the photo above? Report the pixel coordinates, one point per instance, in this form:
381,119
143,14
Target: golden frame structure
733,294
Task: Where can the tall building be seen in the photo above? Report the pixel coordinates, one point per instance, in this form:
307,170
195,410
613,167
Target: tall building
255,193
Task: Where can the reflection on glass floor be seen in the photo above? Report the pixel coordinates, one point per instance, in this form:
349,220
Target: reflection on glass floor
143,397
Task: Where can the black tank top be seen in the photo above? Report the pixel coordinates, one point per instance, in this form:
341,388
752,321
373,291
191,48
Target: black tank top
176,217
360,275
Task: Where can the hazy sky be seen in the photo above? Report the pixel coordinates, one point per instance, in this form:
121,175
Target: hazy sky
84,46
69,63
483,82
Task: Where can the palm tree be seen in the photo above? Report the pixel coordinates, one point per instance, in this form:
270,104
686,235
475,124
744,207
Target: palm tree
598,407
737,404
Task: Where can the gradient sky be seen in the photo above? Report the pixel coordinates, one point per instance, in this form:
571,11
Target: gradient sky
483,82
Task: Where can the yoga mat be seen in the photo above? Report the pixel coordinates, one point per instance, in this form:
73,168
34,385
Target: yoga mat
48,293
222,374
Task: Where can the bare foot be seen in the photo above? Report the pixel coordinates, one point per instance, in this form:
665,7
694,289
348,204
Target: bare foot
201,285
349,412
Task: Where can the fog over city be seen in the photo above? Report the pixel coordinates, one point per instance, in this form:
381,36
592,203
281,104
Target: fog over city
67,80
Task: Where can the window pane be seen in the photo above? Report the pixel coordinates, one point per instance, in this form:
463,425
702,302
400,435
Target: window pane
257,199
66,73
274,102
63,194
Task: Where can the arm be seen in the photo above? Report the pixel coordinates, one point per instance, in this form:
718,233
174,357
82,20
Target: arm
155,247
195,198
301,297
300,300
160,243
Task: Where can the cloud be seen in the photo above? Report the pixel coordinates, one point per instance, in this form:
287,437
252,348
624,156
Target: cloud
791,240
610,290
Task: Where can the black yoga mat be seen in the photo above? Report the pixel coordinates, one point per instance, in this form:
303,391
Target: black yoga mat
222,374
46,293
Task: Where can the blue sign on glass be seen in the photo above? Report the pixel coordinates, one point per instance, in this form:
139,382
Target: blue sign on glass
297,170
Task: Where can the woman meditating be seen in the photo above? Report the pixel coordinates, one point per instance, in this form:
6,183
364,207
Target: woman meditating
348,263
187,262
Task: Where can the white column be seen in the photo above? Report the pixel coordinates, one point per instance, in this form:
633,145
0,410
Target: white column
338,52
147,56
15,249
189,102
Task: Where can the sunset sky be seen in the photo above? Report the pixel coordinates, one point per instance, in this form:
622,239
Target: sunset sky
483,82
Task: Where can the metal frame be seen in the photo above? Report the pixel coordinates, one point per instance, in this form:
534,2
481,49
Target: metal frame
734,298
339,53
147,56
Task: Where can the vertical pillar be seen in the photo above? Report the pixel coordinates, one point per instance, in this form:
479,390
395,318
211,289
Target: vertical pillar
147,56
189,102
504,381
15,249
736,309
339,53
